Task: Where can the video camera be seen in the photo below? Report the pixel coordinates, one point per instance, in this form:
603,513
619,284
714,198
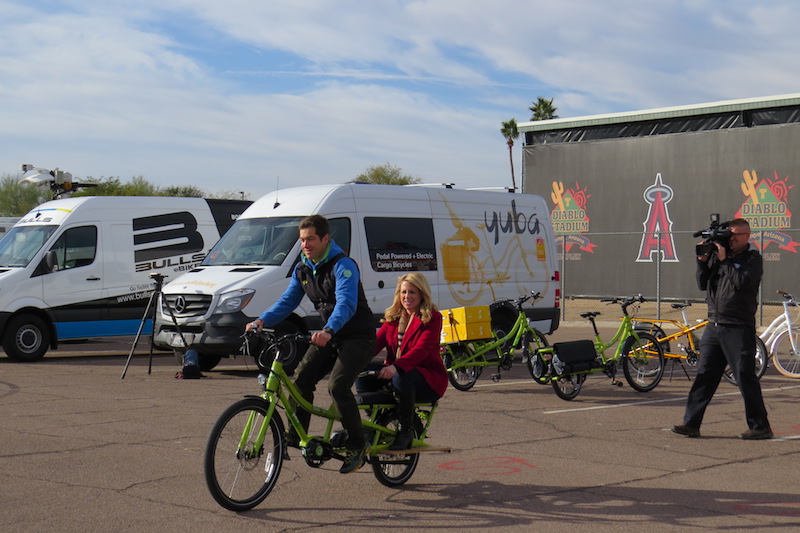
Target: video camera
717,232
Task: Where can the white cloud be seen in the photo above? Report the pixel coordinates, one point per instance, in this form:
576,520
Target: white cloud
230,95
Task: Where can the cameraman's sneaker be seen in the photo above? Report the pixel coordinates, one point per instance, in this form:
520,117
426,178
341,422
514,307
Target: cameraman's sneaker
353,460
687,431
756,434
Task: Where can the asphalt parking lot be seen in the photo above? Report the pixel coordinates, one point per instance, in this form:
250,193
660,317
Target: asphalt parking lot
83,450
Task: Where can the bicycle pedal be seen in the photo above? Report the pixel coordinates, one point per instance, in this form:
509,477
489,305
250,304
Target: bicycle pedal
495,377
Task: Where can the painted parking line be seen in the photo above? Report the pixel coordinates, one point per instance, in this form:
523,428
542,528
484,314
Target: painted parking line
501,383
681,398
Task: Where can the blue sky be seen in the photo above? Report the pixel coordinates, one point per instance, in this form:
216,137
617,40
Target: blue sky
243,95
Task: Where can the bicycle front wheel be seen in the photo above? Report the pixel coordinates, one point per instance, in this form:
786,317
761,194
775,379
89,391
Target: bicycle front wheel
240,472
786,359
538,367
643,362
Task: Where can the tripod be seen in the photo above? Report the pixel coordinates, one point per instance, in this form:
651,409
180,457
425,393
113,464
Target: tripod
152,303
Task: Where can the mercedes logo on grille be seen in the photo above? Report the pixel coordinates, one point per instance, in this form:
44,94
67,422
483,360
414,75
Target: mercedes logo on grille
180,304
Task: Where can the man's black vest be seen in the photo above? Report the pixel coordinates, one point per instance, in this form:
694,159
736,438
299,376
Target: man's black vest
321,290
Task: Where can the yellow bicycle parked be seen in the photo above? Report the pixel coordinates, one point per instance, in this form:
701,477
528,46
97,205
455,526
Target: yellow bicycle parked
688,345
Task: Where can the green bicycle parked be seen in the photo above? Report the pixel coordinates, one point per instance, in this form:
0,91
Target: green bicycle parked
466,360
566,364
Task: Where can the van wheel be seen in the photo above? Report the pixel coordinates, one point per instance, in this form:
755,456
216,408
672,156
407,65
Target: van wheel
27,338
208,361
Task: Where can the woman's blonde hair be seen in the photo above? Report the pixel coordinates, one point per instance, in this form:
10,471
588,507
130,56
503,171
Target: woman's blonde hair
426,305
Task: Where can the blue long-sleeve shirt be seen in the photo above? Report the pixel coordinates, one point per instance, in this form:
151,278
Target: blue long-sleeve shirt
346,295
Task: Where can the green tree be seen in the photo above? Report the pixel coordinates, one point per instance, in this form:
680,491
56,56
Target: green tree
137,186
186,191
386,174
17,198
543,109
510,132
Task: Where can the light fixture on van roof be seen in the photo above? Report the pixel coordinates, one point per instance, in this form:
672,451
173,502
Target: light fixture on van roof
58,181
445,185
507,189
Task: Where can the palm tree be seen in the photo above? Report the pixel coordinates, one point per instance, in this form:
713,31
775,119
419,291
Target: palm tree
510,132
543,109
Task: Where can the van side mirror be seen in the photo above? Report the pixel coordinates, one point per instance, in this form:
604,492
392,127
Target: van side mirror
50,261
47,265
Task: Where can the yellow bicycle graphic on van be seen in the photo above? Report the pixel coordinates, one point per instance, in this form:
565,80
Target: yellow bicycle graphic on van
468,272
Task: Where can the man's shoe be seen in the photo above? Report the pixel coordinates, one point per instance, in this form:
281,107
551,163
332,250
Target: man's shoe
689,431
353,460
756,434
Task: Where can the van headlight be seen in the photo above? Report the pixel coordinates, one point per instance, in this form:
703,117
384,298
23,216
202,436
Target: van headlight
234,301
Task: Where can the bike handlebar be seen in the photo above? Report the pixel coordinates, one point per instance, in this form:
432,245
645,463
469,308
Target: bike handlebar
535,295
786,295
625,302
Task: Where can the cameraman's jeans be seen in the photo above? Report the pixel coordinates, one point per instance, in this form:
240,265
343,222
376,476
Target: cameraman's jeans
723,345
344,359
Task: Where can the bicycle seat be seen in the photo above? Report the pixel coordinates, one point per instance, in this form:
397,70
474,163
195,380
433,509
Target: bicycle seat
375,397
590,314
681,306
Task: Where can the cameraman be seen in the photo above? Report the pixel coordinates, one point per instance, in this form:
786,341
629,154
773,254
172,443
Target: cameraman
730,276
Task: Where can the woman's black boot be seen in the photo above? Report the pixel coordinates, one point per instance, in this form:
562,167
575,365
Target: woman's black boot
405,435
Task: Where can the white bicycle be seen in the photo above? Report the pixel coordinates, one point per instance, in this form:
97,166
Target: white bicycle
782,339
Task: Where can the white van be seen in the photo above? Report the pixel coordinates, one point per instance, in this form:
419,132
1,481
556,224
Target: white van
474,246
79,267
6,223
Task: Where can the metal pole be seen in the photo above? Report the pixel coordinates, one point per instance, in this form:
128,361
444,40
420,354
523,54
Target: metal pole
563,277
761,285
658,276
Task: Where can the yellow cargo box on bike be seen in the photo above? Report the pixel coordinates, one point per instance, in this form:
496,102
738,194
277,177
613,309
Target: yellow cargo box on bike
466,324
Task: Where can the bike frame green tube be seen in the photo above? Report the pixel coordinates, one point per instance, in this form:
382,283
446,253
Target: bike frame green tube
483,347
277,386
624,331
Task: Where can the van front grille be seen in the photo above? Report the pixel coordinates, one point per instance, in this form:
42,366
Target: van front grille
183,305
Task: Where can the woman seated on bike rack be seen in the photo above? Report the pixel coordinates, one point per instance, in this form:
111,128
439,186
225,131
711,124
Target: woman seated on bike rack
410,332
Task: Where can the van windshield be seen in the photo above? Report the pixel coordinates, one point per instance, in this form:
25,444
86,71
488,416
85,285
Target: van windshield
255,241
21,244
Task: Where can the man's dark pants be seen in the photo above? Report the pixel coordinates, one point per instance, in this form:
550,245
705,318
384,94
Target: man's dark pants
723,345
344,359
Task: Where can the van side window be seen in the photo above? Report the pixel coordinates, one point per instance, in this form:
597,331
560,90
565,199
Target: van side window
340,232
400,244
75,248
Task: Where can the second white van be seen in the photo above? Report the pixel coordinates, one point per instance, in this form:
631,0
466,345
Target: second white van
475,247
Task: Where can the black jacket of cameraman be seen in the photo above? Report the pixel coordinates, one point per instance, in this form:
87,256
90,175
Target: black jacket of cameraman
731,287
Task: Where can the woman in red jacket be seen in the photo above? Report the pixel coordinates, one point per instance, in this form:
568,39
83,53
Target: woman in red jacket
410,333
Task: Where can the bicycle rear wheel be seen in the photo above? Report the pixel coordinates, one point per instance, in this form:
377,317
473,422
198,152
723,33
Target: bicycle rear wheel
786,360
642,362
240,474
568,386
392,470
761,363
461,378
